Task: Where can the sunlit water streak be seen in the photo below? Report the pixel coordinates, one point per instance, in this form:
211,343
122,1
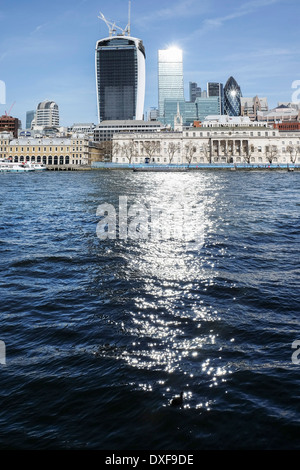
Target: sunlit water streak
101,334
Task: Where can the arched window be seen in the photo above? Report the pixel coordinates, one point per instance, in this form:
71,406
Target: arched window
55,162
67,160
21,158
38,159
44,160
61,160
50,160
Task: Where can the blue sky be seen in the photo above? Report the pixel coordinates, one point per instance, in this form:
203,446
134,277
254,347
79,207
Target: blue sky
47,48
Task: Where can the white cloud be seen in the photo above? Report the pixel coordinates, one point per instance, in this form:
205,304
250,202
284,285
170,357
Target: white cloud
181,9
243,10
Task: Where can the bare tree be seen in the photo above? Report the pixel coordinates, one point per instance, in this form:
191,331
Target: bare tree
129,150
297,152
115,149
171,151
207,152
151,147
290,149
271,152
247,155
189,150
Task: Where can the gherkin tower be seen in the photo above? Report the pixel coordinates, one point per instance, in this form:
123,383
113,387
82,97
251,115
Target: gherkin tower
232,98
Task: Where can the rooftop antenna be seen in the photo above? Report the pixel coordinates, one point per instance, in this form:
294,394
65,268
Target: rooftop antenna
112,27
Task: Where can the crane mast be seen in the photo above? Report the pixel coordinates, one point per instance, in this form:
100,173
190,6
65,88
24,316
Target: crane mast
112,27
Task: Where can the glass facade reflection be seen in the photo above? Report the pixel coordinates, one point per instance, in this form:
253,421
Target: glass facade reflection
120,78
216,89
232,98
190,112
170,78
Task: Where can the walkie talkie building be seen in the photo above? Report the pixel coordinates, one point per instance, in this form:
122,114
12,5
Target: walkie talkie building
120,78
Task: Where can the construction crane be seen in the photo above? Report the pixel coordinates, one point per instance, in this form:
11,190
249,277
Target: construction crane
112,27
8,113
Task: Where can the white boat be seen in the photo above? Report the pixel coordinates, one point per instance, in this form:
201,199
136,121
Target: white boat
38,166
9,166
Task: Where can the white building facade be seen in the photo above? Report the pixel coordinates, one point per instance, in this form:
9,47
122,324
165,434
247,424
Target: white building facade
218,141
47,115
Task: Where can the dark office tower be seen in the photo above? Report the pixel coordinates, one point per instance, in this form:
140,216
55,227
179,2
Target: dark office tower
120,78
216,89
195,91
232,98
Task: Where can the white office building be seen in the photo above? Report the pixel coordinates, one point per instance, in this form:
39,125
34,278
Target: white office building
47,115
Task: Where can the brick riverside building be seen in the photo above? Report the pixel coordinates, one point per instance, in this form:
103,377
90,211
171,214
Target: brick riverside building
9,124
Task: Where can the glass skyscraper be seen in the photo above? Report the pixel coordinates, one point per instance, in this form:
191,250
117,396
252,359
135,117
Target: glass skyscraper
216,89
190,112
170,78
232,98
120,78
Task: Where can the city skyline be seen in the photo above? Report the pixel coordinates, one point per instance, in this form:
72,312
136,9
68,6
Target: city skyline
47,50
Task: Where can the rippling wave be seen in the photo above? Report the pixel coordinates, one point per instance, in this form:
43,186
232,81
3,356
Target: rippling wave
101,334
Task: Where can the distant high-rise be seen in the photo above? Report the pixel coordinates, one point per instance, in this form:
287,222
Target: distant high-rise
232,98
170,77
120,75
47,115
29,118
251,106
216,89
195,91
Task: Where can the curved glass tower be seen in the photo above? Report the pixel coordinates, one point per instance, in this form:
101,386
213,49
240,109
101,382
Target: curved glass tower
232,98
120,78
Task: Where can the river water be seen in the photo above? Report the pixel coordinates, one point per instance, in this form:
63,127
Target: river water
100,334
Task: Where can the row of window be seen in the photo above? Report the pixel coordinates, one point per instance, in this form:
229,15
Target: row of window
251,133
49,160
199,160
38,158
